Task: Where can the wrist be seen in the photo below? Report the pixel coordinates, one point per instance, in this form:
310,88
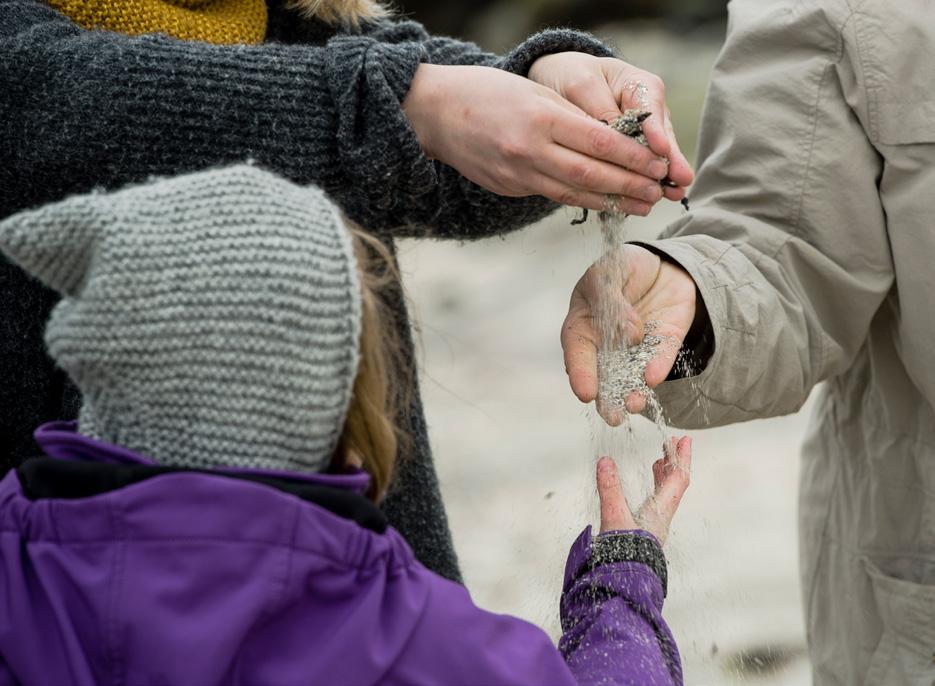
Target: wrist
588,554
547,70
552,42
698,346
538,70
422,105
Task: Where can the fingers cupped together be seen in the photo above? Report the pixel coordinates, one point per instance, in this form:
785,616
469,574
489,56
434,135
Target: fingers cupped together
671,474
597,140
646,91
581,171
591,165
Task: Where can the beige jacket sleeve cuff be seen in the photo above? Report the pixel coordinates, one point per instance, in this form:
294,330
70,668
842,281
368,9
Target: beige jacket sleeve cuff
721,393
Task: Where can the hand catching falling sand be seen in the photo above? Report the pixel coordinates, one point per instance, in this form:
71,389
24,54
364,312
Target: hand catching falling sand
671,474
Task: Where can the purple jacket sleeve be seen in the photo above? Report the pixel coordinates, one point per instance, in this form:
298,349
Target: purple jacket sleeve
611,612
458,642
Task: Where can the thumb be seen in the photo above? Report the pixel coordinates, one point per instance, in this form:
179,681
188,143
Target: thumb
615,512
680,171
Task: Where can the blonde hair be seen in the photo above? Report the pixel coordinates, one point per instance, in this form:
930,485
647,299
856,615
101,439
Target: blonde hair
382,388
351,12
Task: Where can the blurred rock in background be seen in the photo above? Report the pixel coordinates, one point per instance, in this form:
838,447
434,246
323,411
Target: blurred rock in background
500,24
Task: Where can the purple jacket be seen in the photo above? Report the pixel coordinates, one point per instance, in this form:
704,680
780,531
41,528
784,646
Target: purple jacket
185,577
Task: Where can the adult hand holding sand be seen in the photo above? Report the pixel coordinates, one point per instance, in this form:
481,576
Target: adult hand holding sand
516,137
605,87
671,476
654,290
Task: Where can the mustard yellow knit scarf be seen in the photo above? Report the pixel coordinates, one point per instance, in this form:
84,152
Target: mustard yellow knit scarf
212,21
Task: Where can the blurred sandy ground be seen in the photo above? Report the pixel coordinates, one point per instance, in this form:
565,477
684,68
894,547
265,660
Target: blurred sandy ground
514,447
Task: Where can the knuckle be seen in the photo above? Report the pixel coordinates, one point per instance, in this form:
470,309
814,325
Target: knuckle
641,156
582,175
513,149
540,118
580,86
506,177
601,140
629,186
569,196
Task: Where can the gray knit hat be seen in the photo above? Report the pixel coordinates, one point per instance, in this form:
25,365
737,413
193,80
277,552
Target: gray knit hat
209,320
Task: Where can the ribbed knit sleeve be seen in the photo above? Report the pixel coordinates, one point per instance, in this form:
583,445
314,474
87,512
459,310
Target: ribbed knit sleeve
91,108
445,50
465,210
549,42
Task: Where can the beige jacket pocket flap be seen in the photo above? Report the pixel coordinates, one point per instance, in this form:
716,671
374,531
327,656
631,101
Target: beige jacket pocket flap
897,62
906,653
906,123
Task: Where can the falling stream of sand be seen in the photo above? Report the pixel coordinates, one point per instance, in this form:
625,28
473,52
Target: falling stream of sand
623,351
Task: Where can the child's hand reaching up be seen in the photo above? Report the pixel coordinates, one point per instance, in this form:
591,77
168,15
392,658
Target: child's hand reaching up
671,474
616,582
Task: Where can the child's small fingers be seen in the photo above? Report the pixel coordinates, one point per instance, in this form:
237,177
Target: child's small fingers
670,450
615,512
659,473
675,479
684,452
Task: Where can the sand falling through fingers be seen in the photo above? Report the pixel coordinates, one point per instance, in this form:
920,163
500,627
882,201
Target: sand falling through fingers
626,345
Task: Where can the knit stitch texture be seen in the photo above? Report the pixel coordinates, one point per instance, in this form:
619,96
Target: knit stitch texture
209,320
211,21
314,103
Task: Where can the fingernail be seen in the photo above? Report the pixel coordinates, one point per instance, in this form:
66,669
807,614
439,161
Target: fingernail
641,209
651,193
658,169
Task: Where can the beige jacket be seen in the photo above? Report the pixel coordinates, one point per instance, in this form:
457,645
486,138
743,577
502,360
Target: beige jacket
812,240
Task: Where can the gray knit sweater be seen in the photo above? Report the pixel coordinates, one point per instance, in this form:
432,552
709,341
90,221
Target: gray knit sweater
80,110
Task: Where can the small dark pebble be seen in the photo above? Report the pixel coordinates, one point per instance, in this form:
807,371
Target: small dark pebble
667,182
763,659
